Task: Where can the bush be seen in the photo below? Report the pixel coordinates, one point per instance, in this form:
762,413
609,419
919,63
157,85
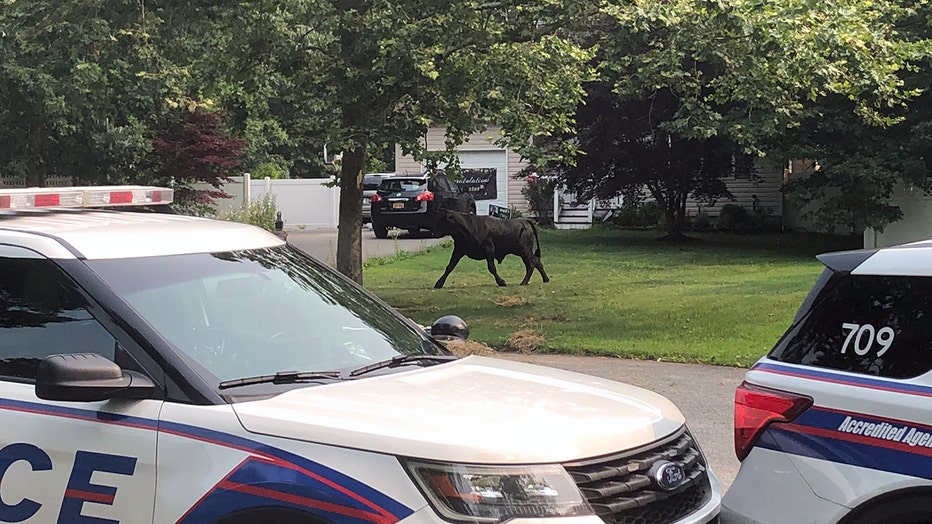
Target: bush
733,218
736,219
262,213
539,195
642,215
702,222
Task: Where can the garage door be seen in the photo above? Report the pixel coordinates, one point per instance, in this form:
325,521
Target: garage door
481,163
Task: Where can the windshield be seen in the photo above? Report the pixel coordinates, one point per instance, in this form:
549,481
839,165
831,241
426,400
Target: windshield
260,312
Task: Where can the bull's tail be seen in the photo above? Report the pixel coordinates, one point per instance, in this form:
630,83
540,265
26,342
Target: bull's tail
536,240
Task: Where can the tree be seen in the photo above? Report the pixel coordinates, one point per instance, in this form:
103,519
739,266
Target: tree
625,153
859,162
80,84
360,75
194,148
688,78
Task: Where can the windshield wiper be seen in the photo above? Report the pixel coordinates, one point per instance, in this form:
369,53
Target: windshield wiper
401,360
282,377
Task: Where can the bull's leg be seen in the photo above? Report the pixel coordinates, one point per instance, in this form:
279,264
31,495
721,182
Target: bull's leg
454,260
528,270
491,262
540,267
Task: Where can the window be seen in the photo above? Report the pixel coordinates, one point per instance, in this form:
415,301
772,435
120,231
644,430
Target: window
41,314
259,312
396,185
874,325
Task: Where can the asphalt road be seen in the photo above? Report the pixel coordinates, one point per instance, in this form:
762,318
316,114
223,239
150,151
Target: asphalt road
322,243
705,394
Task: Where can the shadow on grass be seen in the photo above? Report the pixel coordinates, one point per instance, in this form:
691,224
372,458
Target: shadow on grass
605,239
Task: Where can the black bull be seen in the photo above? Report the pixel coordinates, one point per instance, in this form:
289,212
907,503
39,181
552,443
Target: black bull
490,239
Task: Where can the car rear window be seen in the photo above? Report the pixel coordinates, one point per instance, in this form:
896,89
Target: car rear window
874,325
407,184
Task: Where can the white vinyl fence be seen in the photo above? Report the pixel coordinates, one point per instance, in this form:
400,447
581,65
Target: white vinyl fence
304,203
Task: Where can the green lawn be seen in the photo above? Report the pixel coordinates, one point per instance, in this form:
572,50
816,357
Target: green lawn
722,299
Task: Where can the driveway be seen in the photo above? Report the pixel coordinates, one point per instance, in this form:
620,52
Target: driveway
705,394
322,243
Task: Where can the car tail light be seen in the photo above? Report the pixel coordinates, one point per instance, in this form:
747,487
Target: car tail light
426,196
375,199
758,407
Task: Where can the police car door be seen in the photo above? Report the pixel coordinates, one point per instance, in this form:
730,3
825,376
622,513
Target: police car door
64,462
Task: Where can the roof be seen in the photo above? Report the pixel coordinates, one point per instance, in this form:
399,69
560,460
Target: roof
914,259
104,234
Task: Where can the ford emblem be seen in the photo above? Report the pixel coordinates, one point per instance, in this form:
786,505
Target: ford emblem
667,475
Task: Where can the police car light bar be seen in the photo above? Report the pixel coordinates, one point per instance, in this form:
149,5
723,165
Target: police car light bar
91,196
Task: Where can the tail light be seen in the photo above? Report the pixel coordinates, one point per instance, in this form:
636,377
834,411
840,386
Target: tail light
758,407
375,199
426,196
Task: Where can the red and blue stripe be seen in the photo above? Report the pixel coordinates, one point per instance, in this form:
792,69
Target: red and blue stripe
268,477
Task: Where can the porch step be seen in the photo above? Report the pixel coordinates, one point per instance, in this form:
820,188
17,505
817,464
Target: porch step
574,217
573,225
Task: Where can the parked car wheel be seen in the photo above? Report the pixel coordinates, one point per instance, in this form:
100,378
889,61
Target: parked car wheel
379,230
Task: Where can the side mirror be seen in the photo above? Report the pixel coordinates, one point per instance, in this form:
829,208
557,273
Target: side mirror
88,377
450,327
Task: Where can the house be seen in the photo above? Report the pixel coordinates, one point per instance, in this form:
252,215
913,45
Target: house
480,157
484,164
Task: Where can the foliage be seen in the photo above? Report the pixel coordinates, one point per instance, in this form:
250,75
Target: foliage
268,170
622,293
539,194
358,76
638,215
261,212
860,166
80,90
686,86
194,149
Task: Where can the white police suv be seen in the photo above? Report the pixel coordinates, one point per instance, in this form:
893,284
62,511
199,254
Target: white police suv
169,369
835,424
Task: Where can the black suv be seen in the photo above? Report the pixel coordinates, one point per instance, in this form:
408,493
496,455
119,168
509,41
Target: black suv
414,202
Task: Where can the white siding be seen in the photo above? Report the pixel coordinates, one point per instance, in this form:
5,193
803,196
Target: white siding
484,141
915,225
766,187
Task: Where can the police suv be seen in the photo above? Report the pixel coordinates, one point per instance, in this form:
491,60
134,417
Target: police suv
835,424
170,369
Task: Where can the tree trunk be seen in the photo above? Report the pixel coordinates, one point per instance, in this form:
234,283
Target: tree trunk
675,212
349,231
36,170
352,170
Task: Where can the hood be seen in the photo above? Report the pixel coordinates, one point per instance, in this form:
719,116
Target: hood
474,410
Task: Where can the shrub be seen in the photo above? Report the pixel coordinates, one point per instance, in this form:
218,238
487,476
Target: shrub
736,219
641,215
261,212
733,218
539,195
702,222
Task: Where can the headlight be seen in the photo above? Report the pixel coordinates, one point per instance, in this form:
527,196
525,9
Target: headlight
496,493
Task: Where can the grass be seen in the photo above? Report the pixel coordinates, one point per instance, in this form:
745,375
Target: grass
721,299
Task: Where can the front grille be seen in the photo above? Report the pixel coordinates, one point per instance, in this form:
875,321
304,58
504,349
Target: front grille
620,490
